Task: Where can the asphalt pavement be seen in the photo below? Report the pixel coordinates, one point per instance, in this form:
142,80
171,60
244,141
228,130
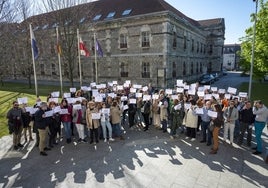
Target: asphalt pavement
143,159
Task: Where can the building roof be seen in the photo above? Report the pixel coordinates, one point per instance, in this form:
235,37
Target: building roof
210,22
103,10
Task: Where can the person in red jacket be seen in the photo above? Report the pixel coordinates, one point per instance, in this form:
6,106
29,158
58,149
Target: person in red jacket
66,120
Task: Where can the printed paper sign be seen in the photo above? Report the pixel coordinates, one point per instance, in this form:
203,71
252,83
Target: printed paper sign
126,85
200,93
132,101
201,89
55,94
57,109
191,92
221,91
212,114
138,95
128,82
124,98
120,87
146,97
174,97
232,90
206,87
186,87
207,96
177,107
155,97
199,111
217,96
187,106
98,99
113,95
136,86
73,90
33,110
49,113
105,110
95,92
133,90
77,106
64,111
214,89
168,91
125,107
93,84
243,94
56,100
28,109
180,90
23,100
67,95
227,96
114,82
70,100
145,88
96,115
180,83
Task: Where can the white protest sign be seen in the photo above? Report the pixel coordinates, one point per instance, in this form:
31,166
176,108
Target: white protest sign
95,92
105,110
73,90
124,98
207,96
231,90
221,91
186,87
174,97
98,99
177,107
243,94
77,106
138,95
217,96
67,95
145,88
55,94
28,109
136,86
125,107
49,113
168,91
113,95
120,87
146,97
191,92
133,90
227,96
132,101
187,106
57,109
93,84
70,100
64,111
212,114
180,90
200,93
56,100
23,100
214,89
96,115
114,82
126,85
180,83
206,87
33,110
199,111
155,96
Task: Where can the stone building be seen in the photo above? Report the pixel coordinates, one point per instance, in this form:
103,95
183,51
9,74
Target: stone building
231,56
145,41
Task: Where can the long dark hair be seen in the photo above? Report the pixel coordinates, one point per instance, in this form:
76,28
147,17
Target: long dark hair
218,108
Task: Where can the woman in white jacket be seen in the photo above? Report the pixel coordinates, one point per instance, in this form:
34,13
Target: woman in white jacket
191,121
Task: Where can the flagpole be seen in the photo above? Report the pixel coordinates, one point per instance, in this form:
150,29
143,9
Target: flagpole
59,54
35,80
79,58
96,65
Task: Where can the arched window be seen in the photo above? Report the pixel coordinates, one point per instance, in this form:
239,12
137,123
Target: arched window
174,39
174,72
145,70
124,69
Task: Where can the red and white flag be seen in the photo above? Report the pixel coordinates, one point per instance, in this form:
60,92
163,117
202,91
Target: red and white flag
83,50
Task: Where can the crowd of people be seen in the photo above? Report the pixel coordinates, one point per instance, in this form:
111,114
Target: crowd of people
100,112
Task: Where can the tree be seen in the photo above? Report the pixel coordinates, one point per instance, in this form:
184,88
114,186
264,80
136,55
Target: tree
68,20
261,45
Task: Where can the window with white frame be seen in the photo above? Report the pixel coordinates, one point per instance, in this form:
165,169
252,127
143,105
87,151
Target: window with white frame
145,70
145,39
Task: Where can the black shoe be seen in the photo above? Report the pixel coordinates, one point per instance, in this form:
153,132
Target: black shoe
97,141
79,140
20,145
43,153
91,142
208,144
51,146
256,153
47,149
16,148
145,129
254,148
202,141
164,131
68,140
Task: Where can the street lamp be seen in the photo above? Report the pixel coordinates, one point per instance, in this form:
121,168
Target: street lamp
252,50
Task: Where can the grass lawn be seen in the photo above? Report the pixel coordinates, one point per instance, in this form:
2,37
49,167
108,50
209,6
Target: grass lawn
259,91
11,91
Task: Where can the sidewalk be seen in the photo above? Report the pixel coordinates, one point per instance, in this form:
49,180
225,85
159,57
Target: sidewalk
144,159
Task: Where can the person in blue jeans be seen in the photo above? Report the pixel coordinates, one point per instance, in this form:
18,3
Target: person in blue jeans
261,113
206,133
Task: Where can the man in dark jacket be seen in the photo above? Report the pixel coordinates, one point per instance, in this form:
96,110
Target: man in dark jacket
15,124
42,126
246,119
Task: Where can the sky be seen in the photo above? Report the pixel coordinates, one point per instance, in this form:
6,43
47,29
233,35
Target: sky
235,12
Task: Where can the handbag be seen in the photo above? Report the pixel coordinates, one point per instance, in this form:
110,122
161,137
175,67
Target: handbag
211,126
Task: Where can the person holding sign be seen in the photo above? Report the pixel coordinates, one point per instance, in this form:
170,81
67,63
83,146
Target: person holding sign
26,118
42,126
206,133
230,116
261,113
92,121
217,122
77,120
116,119
15,124
66,120
105,122
176,115
191,121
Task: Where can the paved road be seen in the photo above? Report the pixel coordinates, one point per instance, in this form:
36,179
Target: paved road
144,159
232,79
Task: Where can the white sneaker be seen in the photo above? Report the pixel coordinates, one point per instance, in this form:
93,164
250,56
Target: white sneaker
171,137
111,139
193,139
186,137
105,140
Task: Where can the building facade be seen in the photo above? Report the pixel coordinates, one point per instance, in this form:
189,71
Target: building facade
146,41
231,56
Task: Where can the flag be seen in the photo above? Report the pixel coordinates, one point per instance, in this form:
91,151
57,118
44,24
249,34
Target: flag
34,45
58,46
83,50
98,48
